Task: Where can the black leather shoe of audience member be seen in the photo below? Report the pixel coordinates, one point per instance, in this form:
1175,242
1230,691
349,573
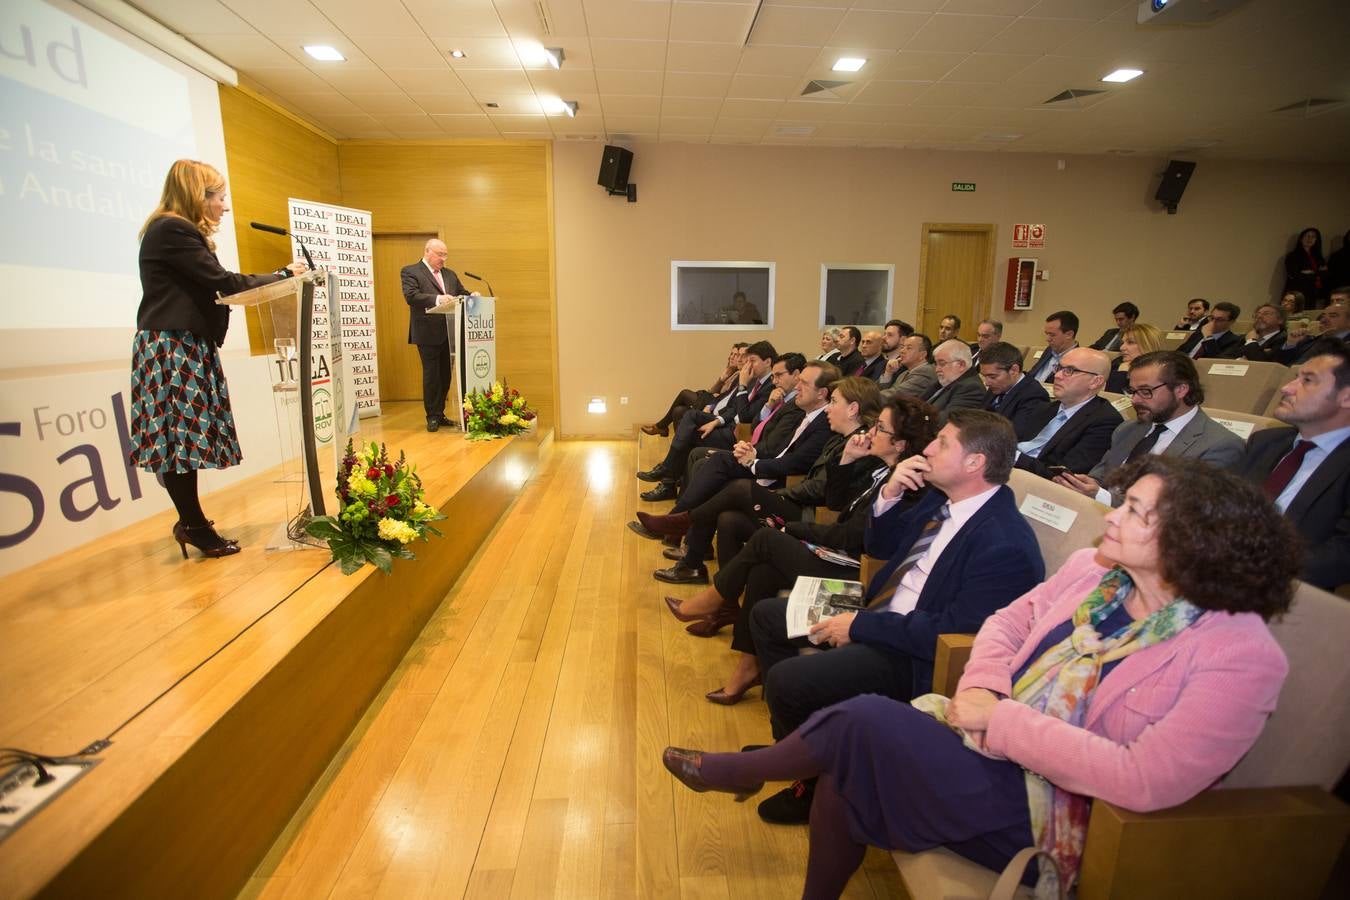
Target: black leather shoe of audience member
791,805
443,420
680,574
639,528
674,554
433,423
654,474
663,491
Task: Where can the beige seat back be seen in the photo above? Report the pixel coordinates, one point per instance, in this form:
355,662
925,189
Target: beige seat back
1064,520
1241,385
1241,424
1307,740
1122,404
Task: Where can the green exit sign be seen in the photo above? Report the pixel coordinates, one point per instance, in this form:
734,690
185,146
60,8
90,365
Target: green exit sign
963,186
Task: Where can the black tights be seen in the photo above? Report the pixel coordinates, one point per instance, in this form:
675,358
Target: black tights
833,856
685,400
182,488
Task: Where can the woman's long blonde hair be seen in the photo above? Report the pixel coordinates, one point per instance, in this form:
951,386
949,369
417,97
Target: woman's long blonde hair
1147,336
185,190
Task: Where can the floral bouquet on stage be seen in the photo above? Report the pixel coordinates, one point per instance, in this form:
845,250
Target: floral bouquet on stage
382,511
496,413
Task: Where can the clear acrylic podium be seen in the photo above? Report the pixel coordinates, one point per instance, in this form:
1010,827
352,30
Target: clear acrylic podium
286,315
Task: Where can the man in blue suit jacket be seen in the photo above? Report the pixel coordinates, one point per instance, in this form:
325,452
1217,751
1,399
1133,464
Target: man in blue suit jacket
955,557
1010,393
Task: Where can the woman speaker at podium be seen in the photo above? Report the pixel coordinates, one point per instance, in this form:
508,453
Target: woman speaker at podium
180,404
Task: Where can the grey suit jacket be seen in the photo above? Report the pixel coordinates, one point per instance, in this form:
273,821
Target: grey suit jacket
914,383
1202,438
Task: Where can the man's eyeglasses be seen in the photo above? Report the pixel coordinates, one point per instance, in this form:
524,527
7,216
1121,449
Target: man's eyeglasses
1145,391
1073,370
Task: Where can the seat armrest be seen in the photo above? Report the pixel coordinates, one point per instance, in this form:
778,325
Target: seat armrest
953,651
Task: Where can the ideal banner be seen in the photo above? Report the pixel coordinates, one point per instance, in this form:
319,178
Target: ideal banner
339,240
476,344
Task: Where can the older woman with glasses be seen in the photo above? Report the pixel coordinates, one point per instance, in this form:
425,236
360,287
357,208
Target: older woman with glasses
773,558
1132,675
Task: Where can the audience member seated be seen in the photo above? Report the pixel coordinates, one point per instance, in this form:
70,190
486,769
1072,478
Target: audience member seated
772,559
1333,322
1135,341
1132,675
1293,303
1009,392
871,348
891,336
958,384
853,407
957,555
715,425
1074,432
987,333
1125,314
1061,336
688,399
1305,469
917,375
1197,314
1305,268
1214,339
949,329
1265,341
1166,393
828,349
850,361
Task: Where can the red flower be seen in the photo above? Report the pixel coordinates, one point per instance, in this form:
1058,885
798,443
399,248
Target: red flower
389,470
372,473
391,500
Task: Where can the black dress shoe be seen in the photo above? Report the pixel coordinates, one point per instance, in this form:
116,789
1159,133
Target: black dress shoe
791,805
433,423
686,765
680,574
446,421
637,528
674,554
663,491
654,474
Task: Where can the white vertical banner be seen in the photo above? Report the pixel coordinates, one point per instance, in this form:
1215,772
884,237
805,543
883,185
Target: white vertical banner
480,342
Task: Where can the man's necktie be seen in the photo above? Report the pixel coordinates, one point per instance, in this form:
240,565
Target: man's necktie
439,283
927,535
1280,477
1147,443
759,429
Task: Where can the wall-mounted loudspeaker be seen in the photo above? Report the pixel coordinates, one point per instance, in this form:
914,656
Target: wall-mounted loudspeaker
1173,183
614,167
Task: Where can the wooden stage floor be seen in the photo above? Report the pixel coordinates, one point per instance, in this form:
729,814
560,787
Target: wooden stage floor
515,751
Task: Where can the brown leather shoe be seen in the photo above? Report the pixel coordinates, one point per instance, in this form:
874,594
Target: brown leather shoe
709,625
674,554
673,525
655,431
722,698
685,766
673,604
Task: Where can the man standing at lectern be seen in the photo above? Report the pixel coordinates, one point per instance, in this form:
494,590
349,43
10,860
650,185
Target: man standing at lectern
428,284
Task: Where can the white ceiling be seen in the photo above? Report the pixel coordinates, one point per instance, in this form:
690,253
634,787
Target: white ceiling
942,74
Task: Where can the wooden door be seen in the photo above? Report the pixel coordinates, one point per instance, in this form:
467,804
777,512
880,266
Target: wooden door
400,367
956,276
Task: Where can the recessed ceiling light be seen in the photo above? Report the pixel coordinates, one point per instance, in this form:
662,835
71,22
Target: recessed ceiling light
325,53
555,56
458,54
570,107
848,64
1120,76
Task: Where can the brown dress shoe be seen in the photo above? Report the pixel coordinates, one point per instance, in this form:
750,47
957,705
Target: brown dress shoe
722,698
655,431
673,525
709,625
685,766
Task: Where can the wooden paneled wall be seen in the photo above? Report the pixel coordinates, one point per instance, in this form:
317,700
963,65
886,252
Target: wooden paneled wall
271,156
491,202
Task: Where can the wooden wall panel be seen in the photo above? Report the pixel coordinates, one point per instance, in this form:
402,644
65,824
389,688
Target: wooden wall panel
490,202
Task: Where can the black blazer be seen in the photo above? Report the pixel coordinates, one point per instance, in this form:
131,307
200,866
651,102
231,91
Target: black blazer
851,490
1107,337
1080,444
1226,346
1320,511
1021,404
1118,379
966,392
782,425
420,290
847,365
1267,352
743,407
800,454
180,276
874,369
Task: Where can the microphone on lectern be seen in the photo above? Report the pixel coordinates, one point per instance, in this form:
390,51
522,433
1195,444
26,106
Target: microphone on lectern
273,229
484,280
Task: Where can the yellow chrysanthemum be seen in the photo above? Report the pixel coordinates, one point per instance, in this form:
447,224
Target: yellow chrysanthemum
393,529
360,485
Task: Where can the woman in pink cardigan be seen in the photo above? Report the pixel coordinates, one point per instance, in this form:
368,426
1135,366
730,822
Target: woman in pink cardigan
1139,673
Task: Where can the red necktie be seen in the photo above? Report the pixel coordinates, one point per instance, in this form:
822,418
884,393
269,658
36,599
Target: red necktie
440,284
759,429
1280,477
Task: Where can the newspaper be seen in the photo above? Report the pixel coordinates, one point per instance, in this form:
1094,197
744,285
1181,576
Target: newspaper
809,602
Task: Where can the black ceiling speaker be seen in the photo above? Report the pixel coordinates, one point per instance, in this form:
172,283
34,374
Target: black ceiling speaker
614,167
1174,183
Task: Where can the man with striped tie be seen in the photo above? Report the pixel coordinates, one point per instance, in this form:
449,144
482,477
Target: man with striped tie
956,556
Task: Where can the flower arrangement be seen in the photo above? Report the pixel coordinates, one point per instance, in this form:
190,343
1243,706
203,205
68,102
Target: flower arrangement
496,412
382,510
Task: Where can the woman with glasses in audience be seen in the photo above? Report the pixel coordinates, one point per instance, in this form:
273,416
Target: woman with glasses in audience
1132,675
773,558
1135,341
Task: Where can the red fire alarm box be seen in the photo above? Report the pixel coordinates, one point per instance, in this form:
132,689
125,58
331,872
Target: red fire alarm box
1021,288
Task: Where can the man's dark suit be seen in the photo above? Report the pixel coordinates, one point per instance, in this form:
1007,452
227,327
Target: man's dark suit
1021,405
1320,511
429,332
990,562
966,392
1110,340
1265,351
782,424
848,365
1038,369
1226,346
719,468
874,368
1080,442
1298,354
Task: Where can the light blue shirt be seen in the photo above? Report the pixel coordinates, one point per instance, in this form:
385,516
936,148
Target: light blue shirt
1325,445
1034,446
